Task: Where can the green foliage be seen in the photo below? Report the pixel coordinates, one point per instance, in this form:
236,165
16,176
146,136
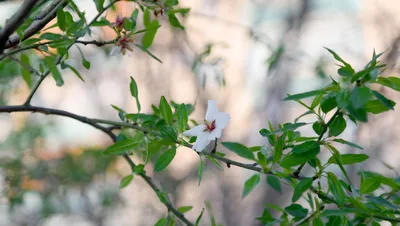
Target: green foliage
155,137
239,149
301,187
135,92
250,184
164,160
121,147
125,181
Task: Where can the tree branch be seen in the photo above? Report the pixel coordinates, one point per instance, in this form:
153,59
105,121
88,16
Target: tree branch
42,19
37,45
39,82
15,21
92,122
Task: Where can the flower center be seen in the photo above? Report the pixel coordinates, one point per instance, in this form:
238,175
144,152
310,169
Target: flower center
210,126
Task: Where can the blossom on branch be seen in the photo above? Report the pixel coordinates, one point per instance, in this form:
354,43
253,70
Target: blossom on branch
212,128
118,25
124,43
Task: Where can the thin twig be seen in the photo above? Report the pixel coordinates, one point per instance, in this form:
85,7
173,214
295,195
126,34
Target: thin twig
92,122
42,19
324,129
15,21
39,82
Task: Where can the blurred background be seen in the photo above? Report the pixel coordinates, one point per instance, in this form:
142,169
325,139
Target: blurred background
245,54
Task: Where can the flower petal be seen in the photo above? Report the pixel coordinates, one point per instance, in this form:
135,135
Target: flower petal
216,133
222,120
212,111
195,131
201,142
115,51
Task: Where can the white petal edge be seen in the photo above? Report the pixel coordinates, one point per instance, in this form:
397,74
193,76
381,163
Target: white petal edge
212,111
216,133
195,131
201,142
115,51
222,120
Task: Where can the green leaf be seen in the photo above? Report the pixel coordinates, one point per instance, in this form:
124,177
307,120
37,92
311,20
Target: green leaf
85,63
317,222
369,185
135,92
301,187
317,100
343,98
346,71
328,103
376,106
51,36
125,181
337,126
334,221
359,96
306,147
359,114
391,82
348,143
278,149
76,72
294,159
261,160
26,74
300,96
336,189
318,128
148,52
239,149
61,19
266,217
199,217
210,213
121,147
149,35
388,103
164,160
54,71
200,171
250,184
296,211
168,132
337,57
287,127
99,5
184,209
338,159
274,182
174,21
162,222
165,110
182,117
348,159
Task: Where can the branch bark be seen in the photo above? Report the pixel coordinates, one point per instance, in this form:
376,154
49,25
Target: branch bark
92,122
41,20
15,21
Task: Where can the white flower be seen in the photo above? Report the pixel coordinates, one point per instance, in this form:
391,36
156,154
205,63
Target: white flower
212,128
124,43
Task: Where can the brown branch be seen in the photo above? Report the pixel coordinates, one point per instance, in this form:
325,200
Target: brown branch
39,82
37,45
42,19
15,21
93,122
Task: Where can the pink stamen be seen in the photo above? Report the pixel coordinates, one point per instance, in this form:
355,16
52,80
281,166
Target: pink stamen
209,126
